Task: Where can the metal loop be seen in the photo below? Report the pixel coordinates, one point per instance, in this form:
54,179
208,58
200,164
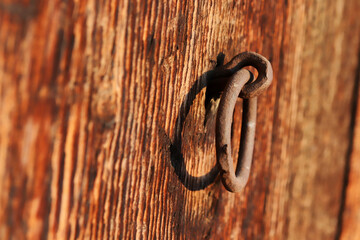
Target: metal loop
235,181
262,65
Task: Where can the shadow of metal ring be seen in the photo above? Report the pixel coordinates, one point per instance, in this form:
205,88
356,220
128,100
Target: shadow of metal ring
193,183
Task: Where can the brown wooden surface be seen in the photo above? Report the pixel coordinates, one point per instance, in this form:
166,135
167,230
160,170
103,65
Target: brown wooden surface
104,132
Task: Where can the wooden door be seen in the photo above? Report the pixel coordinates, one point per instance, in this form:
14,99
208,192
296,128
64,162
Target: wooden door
107,131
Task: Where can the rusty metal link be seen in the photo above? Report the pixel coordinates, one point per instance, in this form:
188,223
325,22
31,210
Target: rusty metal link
262,65
240,84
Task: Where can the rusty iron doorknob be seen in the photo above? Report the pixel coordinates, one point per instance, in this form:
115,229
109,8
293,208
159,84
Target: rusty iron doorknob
240,84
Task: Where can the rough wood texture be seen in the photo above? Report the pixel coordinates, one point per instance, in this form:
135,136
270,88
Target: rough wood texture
104,132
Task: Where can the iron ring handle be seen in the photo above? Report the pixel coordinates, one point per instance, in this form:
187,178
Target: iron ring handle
235,180
244,59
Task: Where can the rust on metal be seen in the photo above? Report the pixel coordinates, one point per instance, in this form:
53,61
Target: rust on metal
240,84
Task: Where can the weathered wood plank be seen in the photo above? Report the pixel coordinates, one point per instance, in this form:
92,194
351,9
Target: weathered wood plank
96,97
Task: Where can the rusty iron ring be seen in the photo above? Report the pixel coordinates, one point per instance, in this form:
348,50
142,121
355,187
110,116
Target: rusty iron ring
244,59
235,180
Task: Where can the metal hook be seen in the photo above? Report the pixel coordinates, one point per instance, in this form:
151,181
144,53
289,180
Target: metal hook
240,84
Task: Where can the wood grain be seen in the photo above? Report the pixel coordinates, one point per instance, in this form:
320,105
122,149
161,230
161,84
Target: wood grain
105,133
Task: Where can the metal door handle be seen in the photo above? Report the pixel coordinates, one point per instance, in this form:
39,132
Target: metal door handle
240,84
